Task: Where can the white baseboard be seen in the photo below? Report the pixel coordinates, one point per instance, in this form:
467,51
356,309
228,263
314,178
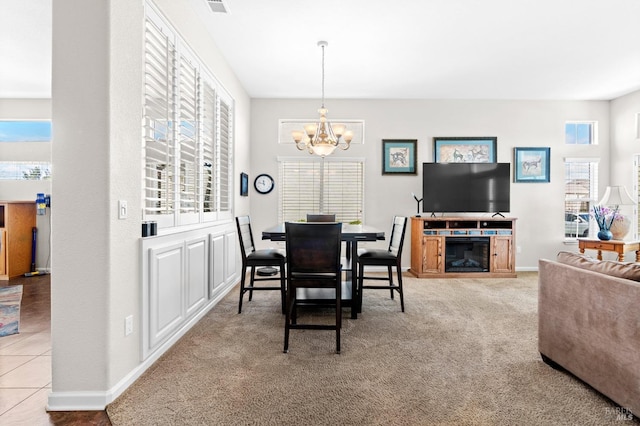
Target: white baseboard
77,401
98,400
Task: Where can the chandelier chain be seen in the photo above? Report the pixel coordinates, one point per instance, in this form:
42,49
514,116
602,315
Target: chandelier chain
323,76
321,138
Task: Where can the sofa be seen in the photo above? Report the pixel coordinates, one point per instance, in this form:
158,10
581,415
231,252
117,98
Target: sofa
589,323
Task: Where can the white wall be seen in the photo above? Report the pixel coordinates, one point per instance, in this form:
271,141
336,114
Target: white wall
625,141
539,207
26,190
97,95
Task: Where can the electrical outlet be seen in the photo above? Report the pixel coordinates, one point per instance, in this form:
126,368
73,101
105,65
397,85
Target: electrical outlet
123,209
518,249
128,325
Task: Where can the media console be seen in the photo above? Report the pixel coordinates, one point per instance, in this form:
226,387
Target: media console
443,247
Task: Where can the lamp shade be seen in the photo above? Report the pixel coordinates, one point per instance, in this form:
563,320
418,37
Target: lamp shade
617,196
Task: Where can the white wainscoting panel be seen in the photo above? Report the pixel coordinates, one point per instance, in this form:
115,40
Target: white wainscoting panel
184,274
197,260
231,246
217,275
166,277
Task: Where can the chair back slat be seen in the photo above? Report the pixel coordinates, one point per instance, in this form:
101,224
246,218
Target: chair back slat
245,236
321,217
397,235
313,247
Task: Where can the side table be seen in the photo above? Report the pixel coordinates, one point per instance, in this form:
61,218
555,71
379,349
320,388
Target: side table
617,246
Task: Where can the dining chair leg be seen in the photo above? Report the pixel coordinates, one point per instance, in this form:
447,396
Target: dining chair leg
283,288
338,317
290,302
242,282
251,282
400,289
360,283
390,280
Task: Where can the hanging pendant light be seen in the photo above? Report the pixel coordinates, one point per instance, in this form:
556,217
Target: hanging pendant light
322,138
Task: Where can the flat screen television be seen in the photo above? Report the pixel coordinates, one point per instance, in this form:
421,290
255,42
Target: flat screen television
466,187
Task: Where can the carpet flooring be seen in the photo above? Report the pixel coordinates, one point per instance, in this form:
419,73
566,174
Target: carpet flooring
463,353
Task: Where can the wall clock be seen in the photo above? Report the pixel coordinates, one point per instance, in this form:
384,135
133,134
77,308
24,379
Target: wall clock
264,183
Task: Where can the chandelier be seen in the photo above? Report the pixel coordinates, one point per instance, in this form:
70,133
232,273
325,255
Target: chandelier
322,138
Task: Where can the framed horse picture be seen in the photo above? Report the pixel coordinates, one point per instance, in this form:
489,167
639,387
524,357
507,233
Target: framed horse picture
531,165
399,157
465,149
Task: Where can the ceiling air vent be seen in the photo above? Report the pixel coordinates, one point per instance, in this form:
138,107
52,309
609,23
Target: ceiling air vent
217,6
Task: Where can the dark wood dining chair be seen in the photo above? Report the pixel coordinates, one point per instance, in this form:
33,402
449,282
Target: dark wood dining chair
252,258
321,217
313,262
390,257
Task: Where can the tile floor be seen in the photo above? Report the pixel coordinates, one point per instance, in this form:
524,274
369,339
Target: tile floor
25,363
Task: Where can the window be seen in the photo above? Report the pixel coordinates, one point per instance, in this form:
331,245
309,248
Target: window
24,170
580,133
25,131
314,185
187,133
581,190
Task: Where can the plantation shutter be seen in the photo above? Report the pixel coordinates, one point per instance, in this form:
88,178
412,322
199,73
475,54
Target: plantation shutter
188,133
188,142
158,128
321,186
224,143
208,146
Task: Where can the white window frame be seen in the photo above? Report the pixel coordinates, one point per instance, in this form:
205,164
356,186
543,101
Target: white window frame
590,199
192,180
593,140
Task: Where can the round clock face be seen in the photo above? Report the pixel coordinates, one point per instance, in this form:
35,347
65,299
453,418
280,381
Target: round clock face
264,183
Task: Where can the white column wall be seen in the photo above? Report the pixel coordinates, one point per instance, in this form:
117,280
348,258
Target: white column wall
81,228
97,114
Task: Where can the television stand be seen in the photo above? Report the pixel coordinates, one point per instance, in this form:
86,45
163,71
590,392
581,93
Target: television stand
457,247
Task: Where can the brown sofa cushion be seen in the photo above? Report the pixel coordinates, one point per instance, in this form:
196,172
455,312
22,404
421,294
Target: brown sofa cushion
629,271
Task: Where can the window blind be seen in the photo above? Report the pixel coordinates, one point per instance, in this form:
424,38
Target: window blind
321,186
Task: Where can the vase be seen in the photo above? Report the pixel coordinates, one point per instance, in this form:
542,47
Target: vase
605,235
620,227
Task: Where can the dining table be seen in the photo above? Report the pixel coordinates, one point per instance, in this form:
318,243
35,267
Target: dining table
351,235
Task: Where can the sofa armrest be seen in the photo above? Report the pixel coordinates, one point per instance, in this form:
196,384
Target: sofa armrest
589,324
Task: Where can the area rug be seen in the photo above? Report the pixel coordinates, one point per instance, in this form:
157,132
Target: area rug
463,353
10,298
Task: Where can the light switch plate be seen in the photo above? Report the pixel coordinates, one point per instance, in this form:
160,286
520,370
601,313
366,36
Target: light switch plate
123,209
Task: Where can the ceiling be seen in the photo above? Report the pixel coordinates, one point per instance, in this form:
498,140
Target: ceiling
400,49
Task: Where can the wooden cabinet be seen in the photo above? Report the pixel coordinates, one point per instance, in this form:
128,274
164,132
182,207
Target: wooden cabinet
432,255
17,220
462,247
502,255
